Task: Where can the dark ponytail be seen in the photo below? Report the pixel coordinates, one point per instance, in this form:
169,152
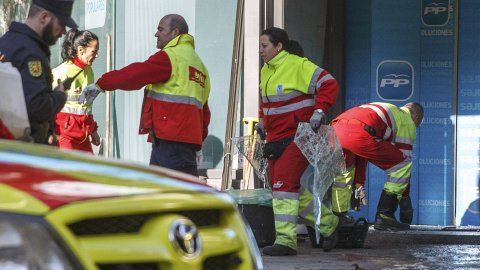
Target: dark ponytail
277,35
295,48
73,39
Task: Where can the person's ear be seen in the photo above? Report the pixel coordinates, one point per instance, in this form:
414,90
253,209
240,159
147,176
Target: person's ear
80,51
279,46
45,17
176,32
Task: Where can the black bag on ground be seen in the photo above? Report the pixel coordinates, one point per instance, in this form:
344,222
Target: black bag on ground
350,236
274,149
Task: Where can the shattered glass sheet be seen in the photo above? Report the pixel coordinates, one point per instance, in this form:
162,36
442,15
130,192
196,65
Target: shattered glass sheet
324,152
252,148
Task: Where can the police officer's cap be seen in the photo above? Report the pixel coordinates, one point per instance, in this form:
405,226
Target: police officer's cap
61,8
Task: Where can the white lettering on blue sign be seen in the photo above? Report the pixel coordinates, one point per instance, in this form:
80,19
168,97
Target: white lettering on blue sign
442,203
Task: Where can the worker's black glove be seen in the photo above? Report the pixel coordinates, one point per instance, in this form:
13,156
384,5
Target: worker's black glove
358,198
406,210
316,119
260,129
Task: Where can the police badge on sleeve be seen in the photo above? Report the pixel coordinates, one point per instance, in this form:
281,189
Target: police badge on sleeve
35,68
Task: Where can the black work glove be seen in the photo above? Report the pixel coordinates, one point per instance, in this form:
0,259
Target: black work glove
406,210
260,129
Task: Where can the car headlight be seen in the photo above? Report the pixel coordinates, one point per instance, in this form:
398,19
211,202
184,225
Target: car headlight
27,243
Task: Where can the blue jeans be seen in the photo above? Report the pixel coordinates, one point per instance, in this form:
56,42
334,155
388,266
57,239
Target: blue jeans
178,156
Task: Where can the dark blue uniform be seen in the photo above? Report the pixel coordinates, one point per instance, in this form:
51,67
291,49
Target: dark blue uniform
31,56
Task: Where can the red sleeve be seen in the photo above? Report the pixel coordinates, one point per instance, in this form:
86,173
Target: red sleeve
5,132
327,92
360,170
206,120
260,112
156,69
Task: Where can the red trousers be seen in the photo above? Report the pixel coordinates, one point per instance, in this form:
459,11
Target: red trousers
285,172
359,147
66,143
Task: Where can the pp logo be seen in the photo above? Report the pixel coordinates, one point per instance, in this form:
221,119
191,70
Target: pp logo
435,12
395,80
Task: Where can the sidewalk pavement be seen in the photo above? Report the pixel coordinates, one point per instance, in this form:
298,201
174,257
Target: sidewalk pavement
422,247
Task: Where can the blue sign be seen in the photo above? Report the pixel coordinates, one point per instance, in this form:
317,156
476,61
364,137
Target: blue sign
435,12
395,80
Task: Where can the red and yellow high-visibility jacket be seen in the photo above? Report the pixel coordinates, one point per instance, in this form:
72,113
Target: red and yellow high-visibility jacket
178,86
75,121
292,87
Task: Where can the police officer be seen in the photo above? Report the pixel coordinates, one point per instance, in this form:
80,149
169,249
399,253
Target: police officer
26,46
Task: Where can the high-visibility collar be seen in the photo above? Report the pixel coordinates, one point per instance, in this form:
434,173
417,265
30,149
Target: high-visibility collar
278,59
188,80
181,39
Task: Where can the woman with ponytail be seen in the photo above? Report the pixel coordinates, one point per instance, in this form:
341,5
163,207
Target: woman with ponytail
74,123
293,90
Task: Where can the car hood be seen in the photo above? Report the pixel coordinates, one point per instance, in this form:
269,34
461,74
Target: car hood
37,178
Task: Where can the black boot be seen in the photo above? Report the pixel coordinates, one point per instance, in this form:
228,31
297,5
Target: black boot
346,219
279,250
330,242
385,218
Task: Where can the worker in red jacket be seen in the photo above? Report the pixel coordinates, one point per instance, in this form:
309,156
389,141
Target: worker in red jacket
175,111
383,134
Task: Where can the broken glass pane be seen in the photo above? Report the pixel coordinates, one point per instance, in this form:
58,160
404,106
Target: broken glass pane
324,152
252,148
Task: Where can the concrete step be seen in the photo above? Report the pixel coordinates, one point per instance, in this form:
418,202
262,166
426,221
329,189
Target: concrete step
213,177
428,234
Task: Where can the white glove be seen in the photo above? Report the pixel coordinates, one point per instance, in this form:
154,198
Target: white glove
358,198
89,93
316,119
199,157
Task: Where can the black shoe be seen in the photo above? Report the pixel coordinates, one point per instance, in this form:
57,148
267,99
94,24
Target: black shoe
346,219
331,241
278,250
383,222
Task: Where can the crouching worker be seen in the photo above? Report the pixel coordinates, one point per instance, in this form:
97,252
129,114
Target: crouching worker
383,134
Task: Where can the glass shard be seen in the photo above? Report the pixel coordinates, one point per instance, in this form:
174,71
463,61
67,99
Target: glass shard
324,152
252,148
